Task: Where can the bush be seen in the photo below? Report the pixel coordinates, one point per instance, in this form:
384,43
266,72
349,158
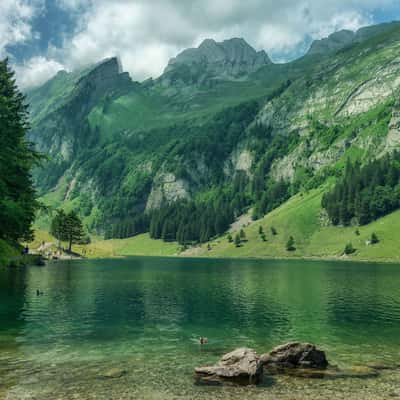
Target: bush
274,231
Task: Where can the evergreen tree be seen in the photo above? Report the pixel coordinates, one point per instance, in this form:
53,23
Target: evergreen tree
290,245
274,232
73,229
242,235
349,249
67,228
58,226
374,238
260,230
238,242
230,239
17,157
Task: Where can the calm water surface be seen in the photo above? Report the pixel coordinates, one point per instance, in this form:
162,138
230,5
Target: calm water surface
144,315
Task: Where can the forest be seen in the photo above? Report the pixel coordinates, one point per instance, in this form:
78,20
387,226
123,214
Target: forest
365,193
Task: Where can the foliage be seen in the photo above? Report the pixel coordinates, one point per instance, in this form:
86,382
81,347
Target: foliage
67,227
366,193
238,241
374,238
290,245
17,195
349,249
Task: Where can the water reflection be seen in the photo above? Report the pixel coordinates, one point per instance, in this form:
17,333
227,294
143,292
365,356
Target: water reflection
147,312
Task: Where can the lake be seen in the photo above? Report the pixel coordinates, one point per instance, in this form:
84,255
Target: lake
145,315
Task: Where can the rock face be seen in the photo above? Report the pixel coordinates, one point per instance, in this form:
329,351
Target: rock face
230,58
241,366
295,355
339,40
167,189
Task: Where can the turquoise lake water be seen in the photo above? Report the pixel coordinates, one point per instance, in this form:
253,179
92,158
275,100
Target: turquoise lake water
144,315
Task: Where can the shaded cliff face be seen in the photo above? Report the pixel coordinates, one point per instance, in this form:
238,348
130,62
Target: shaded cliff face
59,119
221,118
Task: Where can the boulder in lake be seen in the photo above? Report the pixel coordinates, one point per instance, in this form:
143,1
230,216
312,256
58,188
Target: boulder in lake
241,366
294,355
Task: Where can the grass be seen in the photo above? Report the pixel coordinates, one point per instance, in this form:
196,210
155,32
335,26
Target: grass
300,218
141,245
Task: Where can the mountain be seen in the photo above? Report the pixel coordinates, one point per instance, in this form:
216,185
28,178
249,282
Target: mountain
338,40
222,130
232,58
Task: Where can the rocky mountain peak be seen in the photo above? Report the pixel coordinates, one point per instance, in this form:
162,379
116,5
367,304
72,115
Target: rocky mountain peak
230,58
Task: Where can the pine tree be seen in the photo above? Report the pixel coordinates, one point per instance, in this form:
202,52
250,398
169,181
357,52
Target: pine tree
68,228
374,238
273,231
17,157
73,229
349,249
230,239
290,245
238,242
242,235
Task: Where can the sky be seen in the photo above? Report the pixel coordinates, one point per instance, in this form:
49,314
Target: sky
41,37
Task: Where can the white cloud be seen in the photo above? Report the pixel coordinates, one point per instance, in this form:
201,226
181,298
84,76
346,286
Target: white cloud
145,34
36,71
15,18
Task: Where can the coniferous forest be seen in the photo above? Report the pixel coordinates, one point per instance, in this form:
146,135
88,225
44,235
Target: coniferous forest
365,193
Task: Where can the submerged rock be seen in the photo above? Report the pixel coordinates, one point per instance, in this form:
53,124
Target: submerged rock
241,366
113,373
295,355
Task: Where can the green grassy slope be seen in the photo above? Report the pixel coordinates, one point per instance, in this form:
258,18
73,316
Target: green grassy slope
300,218
140,245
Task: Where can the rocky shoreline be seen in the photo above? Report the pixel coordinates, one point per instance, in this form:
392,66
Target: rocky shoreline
304,360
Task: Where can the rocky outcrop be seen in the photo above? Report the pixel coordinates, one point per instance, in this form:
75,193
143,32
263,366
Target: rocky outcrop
294,355
241,366
167,188
232,58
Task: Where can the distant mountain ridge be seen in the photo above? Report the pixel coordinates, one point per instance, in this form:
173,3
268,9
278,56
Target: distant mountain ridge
339,40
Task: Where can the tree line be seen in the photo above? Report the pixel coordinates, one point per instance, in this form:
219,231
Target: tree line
365,193
17,158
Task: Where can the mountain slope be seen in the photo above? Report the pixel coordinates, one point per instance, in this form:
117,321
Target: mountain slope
220,131
300,218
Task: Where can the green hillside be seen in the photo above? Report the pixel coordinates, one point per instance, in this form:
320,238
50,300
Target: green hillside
300,217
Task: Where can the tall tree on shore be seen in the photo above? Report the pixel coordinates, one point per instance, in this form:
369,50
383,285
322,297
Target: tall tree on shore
67,228
17,157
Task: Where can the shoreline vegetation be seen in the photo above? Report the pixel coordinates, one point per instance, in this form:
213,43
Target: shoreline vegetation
300,218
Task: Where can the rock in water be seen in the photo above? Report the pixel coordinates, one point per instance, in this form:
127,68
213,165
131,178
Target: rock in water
241,366
113,373
295,355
